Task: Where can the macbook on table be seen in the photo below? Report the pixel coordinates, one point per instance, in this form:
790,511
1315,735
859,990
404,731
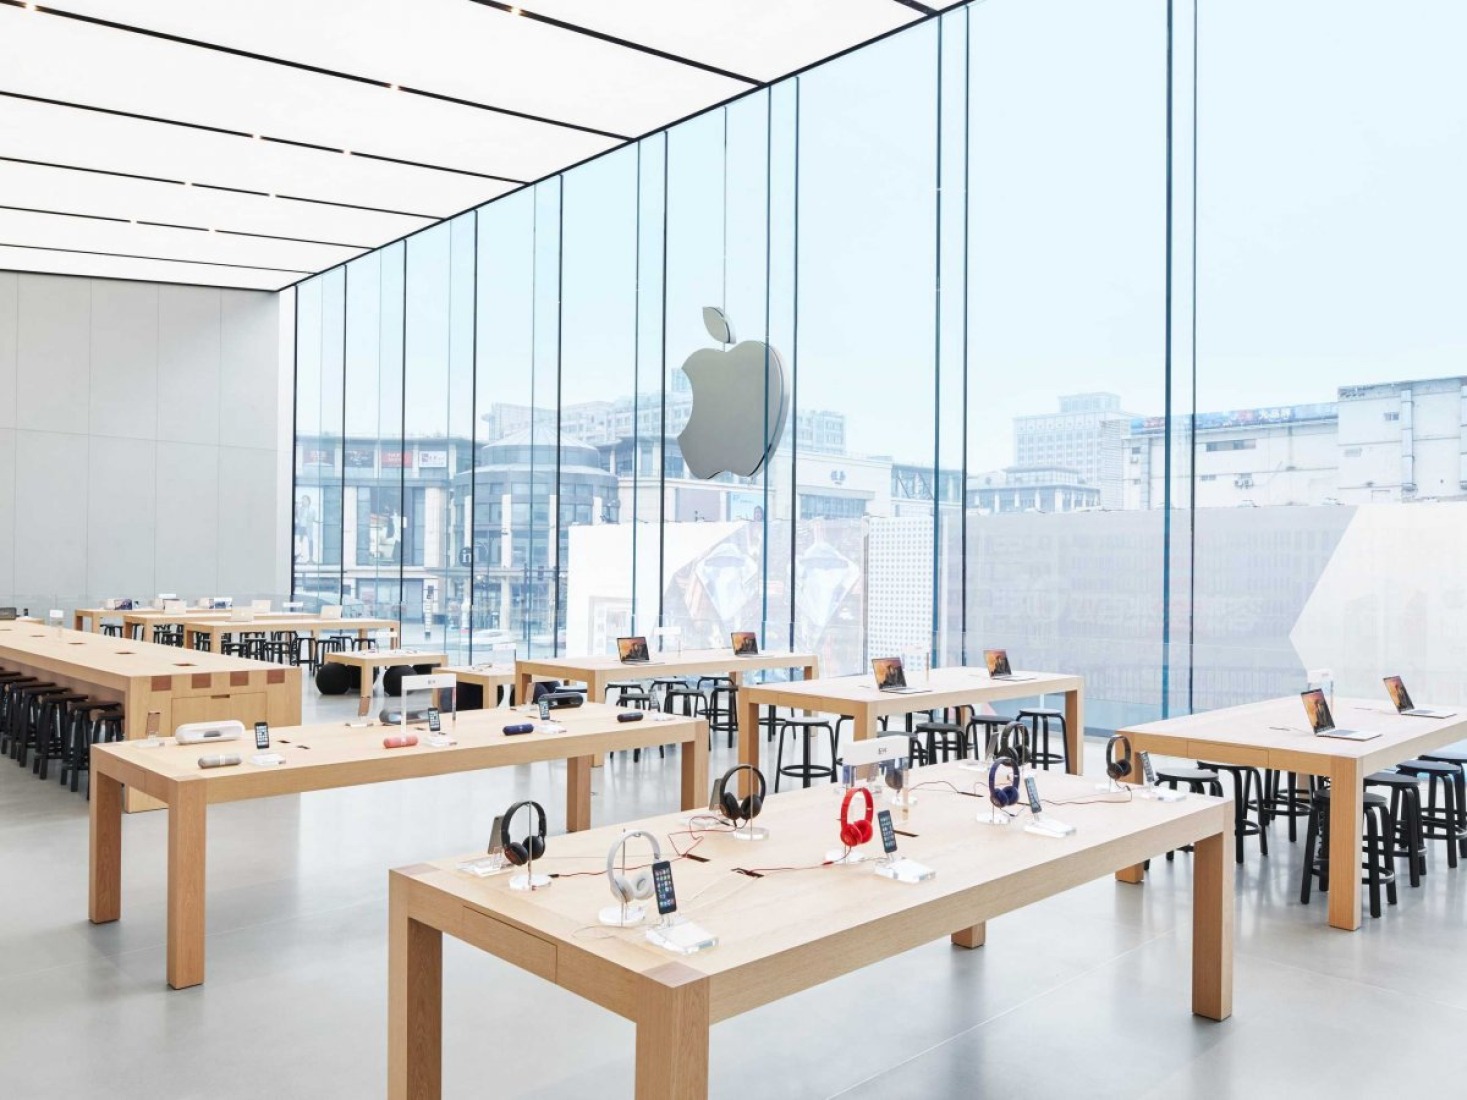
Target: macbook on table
633,650
1322,722
998,666
1402,698
745,643
891,676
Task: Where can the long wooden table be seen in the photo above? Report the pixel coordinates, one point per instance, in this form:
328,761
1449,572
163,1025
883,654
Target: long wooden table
858,698
782,933
323,757
1274,734
597,673
180,686
368,661
490,678
208,628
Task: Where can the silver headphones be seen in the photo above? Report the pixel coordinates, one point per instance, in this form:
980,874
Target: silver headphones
639,885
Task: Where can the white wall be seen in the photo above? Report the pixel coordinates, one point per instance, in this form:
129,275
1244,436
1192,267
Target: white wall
141,432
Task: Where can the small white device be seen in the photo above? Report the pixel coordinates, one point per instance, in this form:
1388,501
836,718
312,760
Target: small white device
197,733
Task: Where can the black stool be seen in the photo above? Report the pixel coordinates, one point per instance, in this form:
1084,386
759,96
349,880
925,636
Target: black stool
1284,800
946,738
1247,794
804,729
1379,865
26,718
51,727
723,706
1406,813
1039,719
990,724
1452,756
633,695
1444,822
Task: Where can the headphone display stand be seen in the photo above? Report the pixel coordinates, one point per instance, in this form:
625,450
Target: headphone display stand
528,880
901,798
680,937
841,855
627,913
994,816
484,866
1110,786
750,832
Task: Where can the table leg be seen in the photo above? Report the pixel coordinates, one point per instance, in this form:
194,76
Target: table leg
672,1034
187,810
1212,924
105,898
414,1001
1075,731
522,688
695,768
971,937
577,794
748,737
368,681
1345,814
1137,873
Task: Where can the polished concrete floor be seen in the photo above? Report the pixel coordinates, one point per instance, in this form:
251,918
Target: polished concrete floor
1085,995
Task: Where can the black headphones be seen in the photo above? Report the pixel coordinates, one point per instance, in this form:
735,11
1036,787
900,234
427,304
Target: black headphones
1118,757
533,846
1013,741
896,778
728,802
1008,795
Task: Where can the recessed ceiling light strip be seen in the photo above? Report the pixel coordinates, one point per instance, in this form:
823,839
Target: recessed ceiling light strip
160,259
189,228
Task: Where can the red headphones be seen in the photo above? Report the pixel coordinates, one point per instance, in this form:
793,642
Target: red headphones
859,831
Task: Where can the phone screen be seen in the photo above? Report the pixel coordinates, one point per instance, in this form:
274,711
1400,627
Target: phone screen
1035,806
888,834
1147,770
662,880
154,717
435,720
544,711
262,735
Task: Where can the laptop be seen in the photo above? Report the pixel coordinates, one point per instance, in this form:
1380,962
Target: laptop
1402,698
1323,723
892,677
633,650
998,666
745,643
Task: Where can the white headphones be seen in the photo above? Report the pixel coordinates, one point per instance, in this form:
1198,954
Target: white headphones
638,885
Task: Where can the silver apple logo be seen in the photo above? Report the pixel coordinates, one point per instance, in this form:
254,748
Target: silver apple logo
739,403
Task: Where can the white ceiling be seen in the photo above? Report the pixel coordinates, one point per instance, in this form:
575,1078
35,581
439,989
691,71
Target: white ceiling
252,144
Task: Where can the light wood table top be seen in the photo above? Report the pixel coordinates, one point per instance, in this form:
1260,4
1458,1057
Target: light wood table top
369,660
599,671
1274,734
113,660
331,755
212,627
782,932
858,698
488,677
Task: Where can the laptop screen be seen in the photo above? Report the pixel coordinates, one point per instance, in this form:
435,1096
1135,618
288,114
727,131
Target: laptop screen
1398,693
998,662
889,672
1317,710
633,648
745,643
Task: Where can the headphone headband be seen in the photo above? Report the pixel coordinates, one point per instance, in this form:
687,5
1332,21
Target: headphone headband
509,816
733,771
617,847
1007,795
845,805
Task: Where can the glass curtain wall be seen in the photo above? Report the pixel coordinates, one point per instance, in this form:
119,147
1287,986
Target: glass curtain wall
1119,335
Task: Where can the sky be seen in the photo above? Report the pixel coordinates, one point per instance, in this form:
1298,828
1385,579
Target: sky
1331,144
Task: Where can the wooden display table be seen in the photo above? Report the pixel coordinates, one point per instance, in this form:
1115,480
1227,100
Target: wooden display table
598,672
181,686
488,677
782,933
322,757
208,627
858,698
1273,734
370,660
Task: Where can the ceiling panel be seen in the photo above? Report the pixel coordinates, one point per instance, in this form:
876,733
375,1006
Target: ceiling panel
450,47
85,139
62,191
302,134
60,59
110,267
122,238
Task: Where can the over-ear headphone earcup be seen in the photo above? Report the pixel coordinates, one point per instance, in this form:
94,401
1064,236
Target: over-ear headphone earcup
640,885
749,808
850,836
733,809
863,830
535,845
1008,795
516,854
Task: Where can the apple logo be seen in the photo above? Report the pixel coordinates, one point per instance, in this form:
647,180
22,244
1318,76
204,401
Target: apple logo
739,403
